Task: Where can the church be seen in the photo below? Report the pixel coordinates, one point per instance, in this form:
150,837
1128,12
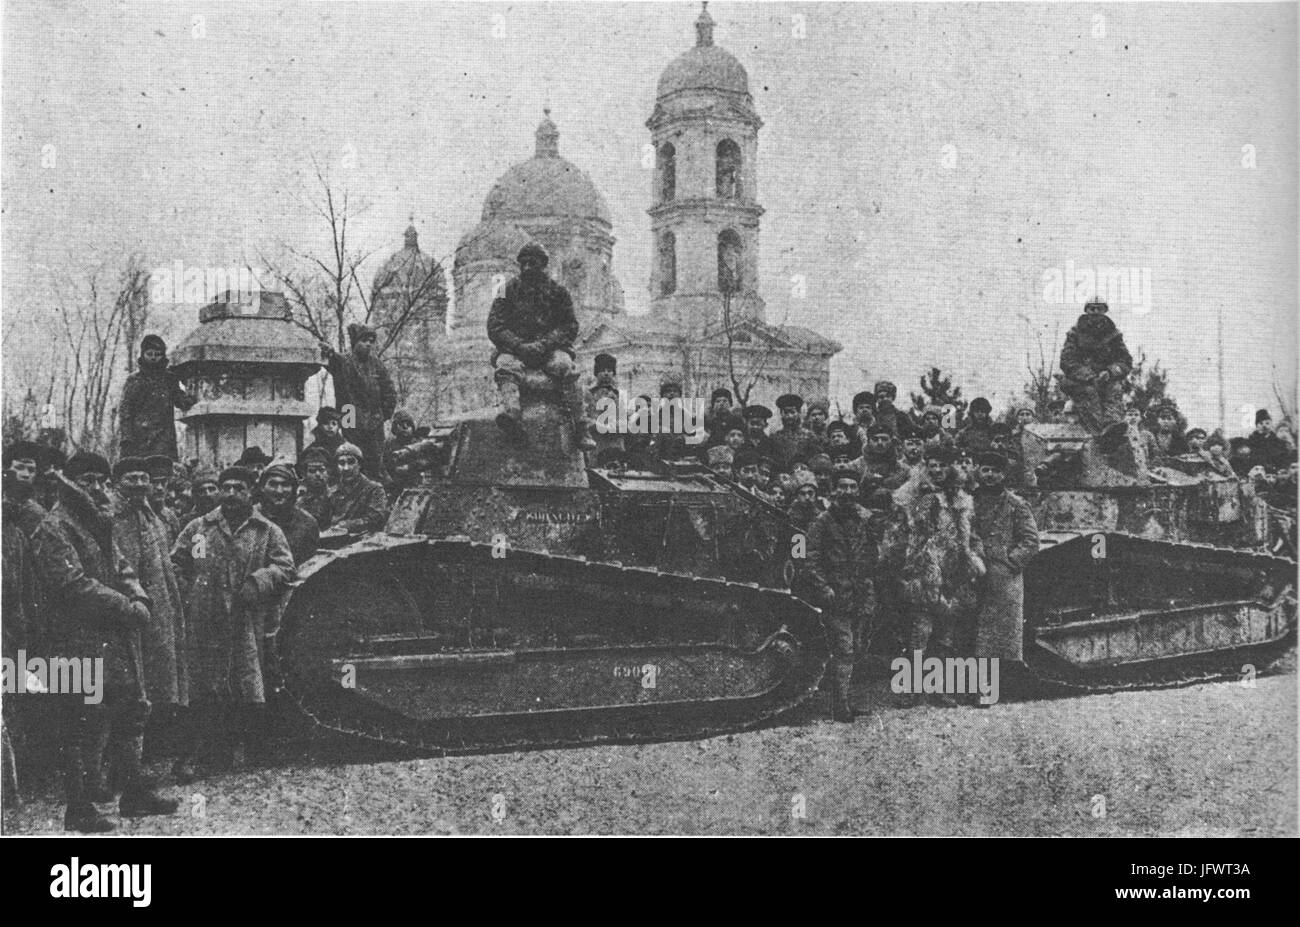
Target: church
707,323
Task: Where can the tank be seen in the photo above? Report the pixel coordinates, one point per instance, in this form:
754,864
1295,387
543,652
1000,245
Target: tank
1146,576
518,599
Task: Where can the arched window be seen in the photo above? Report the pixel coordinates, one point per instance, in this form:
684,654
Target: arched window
667,172
728,170
667,263
730,262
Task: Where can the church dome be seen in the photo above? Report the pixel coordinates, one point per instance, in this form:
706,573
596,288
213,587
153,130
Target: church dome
491,240
408,267
704,67
546,185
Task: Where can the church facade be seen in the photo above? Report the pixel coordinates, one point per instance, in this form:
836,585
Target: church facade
707,323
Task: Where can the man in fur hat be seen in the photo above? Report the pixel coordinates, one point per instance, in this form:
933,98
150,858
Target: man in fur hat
1095,365
328,433
533,327
364,394
974,435
146,425
96,609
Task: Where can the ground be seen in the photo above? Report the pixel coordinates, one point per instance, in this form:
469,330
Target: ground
1214,759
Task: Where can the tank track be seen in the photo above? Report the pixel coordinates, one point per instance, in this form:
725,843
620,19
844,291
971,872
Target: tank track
621,724
1044,674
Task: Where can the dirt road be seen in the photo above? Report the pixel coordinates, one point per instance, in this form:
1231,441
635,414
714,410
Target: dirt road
1216,759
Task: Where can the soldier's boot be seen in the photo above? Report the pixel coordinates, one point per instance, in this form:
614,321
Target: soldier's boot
139,797
511,418
578,414
84,818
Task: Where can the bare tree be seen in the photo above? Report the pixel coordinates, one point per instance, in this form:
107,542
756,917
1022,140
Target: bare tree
96,321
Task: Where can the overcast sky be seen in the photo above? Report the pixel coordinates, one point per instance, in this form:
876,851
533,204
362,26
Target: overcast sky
922,166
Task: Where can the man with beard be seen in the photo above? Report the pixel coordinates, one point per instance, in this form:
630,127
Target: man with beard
364,391
807,505
318,500
1168,438
1009,538
932,547
145,421
145,543
885,412
842,551
160,478
360,504
278,490
234,567
1095,365
793,440
533,327
328,433
841,439
96,609
203,493
974,435
403,475
880,468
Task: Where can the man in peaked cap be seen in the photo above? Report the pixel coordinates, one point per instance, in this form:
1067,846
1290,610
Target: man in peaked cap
234,568
364,394
793,440
843,546
532,326
278,491
161,473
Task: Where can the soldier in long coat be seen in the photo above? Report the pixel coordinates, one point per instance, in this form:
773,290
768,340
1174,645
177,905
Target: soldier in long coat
843,543
145,420
278,490
234,568
143,541
932,546
95,609
1095,364
1006,529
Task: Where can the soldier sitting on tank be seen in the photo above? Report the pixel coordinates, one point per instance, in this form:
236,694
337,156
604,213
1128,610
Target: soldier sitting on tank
533,327
1095,365
406,473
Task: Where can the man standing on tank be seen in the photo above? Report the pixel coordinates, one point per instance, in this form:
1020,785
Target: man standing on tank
533,327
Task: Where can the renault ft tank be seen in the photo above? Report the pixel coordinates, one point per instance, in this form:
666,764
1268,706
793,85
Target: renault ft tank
1146,576
518,599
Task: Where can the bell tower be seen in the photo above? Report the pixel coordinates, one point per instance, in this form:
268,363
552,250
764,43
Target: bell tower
705,213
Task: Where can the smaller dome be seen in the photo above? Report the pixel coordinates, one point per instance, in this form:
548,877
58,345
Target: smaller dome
410,265
491,240
545,186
